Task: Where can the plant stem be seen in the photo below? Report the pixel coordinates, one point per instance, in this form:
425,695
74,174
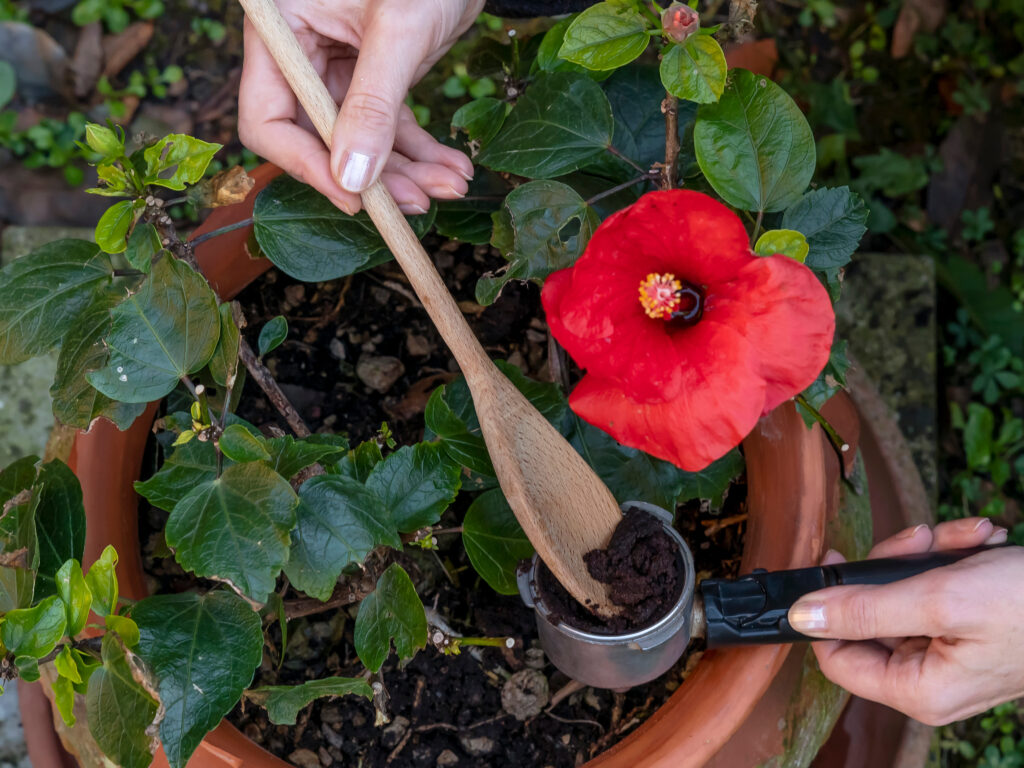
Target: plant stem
757,229
222,231
127,273
614,151
616,188
271,389
838,443
489,642
670,106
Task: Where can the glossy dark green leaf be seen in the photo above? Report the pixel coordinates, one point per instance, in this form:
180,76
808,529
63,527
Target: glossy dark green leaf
235,528
562,121
224,363
167,330
60,523
754,145
361,460
74,592
272,334
112,228
102,582
605,36
203,651
494,541
119,709
307,237
787,242
18,533
469,218
481,119
417,484
712,481
548,59
340,521
544,226
392,611
44,293
189,466
695,70
143,244
34,631
831,379
17,477
178,159
289,456
833,221
284,702
239,444
463,443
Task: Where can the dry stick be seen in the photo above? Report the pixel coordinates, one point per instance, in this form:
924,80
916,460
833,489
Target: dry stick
271,389
670,106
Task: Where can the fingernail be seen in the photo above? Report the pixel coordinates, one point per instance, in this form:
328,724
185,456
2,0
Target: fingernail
356,176
832,557
911,532
999,536
808,616
981,524
456,192
413,210
466,176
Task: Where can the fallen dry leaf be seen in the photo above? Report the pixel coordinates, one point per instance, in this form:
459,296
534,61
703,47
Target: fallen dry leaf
87,60
228,187
415,400
120,49
915,16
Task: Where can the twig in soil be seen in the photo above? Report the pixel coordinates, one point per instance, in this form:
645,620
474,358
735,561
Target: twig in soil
271,389
565,692
711,527
558,364
670,107
349,591
573,721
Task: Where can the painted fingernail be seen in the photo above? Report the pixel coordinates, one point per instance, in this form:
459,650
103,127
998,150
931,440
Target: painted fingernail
998,536
356,175
808,616
981,524
911,532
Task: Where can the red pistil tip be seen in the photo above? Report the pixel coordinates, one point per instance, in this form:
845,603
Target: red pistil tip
659,295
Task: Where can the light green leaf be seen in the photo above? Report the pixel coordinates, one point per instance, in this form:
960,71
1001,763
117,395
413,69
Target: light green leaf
44,294
65,665
119,709
239,444
272,334
561,122
34,631
695,70
481,119
605,36
788,242
8,83
340,521
494,541
548,59
102,582
833,221
177,160
308,238
544,226
284,702
224,363
235,528
64,698
113,226
143,245
167,330
60,523
417,484
74,592
104,141
125,627
203,650
755,146
393,610
28,668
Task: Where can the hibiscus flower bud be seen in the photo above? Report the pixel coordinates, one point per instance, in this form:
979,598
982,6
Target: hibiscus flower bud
680,21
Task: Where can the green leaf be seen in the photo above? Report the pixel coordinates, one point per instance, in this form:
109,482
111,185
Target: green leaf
284,702
44,294
481,119
74,592
188,467
64,698
76,402
695,70
60,523
548,59
494,541
978,436
272,334
34,631
28,668
833,221
544,226
712,481
178,159
289,456
788,242
417,484
224,363
361,460
65,665
831,379
755,146
167,330
605,36
125,627
461,441
104,141
102,582
113,226
203,651
143,245
469,218
308,238
562,121
393,610
239,444
119,709
17,477
235,528
340,521
18,532
8,83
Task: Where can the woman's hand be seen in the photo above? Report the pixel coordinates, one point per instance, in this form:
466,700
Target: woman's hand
955,634
369,52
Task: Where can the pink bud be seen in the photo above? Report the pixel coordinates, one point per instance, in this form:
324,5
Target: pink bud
680,21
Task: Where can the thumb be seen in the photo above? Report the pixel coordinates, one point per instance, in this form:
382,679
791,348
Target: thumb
365,131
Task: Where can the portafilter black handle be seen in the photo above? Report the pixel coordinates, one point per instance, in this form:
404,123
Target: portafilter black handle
752,610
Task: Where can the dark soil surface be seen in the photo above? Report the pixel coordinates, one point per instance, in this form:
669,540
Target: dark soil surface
444,710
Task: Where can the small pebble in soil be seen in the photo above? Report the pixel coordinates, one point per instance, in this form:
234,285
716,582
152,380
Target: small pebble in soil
477,746
447,758
379,373
395,732
525,694
305,758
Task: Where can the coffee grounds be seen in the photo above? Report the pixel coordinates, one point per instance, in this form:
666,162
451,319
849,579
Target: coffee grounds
642,568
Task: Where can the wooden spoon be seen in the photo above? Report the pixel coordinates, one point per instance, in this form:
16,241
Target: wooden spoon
563,507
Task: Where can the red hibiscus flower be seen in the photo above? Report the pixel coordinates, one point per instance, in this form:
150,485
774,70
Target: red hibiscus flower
687,337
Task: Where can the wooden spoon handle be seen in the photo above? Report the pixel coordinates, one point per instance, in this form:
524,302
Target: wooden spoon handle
311,92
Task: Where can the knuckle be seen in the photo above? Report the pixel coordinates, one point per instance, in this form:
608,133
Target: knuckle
370,111
860,614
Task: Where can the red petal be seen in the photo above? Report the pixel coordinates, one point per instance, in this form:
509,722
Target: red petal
786,315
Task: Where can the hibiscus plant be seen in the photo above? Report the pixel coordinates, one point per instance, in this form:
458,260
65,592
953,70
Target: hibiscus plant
702,301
